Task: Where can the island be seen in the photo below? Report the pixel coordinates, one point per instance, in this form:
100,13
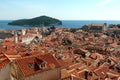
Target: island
37,21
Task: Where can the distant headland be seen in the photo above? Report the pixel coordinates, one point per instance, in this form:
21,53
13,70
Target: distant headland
37,21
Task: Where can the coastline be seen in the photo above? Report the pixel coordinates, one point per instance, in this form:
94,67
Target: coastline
66,24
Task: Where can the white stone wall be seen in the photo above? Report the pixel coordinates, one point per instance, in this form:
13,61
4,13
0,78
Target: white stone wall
53,74
5,73
15,73
23,31
27,40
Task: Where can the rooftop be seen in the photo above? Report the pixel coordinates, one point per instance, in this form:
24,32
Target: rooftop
3,60
30,65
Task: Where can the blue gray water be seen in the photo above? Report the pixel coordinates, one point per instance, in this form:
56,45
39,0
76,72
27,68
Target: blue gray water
66,24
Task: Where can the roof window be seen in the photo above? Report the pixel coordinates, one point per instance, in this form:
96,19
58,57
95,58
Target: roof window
31,65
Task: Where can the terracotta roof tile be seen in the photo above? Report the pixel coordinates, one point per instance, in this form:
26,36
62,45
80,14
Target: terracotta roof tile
71,77
3,60
113,73
102,70
25,63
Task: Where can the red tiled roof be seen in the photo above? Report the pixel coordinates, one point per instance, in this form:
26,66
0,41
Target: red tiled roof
113,73
2,49
11,51
23,64
71,77
95,55
3,60
102,70
114,59
92,68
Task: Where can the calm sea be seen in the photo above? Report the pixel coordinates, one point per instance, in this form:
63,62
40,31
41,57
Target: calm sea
66,24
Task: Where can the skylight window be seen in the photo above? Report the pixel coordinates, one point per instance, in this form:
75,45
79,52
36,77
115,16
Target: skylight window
31,65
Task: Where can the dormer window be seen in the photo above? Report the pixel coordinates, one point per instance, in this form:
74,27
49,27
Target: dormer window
39,64
42,65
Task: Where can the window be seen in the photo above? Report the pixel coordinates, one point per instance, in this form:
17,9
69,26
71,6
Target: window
42,65
31,65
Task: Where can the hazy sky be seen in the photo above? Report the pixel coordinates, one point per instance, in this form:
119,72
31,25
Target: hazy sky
61,9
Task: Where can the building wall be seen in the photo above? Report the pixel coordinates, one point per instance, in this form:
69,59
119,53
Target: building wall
53,74
5,73
15,73
91,28
27,40
23,31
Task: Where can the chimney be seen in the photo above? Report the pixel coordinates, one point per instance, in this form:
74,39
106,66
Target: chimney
15,37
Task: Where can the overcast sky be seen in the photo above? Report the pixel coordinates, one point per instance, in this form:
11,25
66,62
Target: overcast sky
60,9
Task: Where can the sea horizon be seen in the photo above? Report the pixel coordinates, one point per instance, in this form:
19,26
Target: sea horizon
65,24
